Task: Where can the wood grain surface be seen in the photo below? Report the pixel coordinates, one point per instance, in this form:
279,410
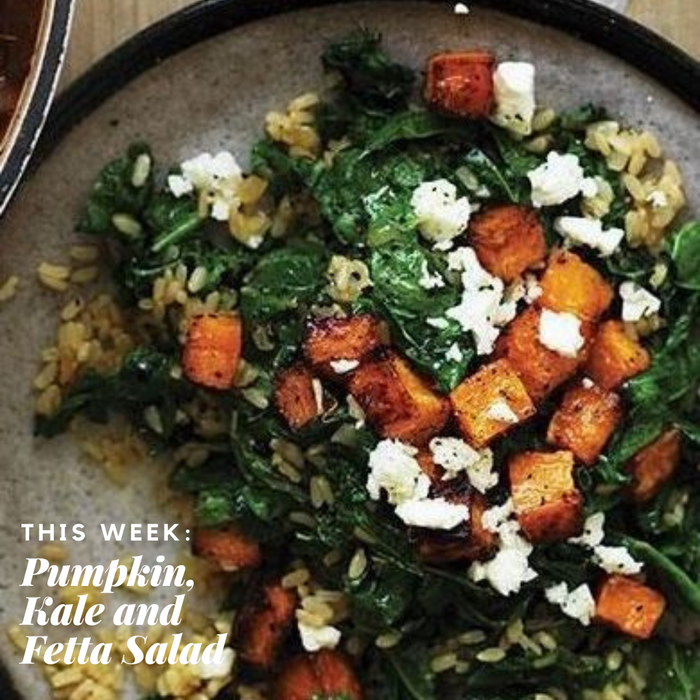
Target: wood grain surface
100,25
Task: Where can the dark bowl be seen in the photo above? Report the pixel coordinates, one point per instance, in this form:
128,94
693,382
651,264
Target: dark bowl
33,36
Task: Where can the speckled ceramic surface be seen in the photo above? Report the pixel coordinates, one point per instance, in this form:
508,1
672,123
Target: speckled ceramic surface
215,95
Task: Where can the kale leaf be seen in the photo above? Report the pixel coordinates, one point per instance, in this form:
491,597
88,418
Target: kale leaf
144,380
114,193
369,75
396,270
673,672
685,252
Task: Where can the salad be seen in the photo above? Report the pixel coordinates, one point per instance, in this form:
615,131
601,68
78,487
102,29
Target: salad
428,370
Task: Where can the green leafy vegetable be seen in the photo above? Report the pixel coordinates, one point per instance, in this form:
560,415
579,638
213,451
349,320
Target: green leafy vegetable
685,252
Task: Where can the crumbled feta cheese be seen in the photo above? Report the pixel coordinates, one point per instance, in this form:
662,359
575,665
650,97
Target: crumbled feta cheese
506,572
578,604
587,383
637,303
223,669
344,366
461,9
432,513
219,175
578,230
454,455
441,215
317,638
560,332
454,353
439,323
480,310
510,568
395,470
616,560
557,180
430,280
514,95
501,411
593,531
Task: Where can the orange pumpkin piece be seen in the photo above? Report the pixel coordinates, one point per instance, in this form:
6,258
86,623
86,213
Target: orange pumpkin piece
295,397
540,369
585,420
335,339
326,674
477,400
629,606
398,402
508,240
615,356
213,350
547,503
263,625
654,465
229,548
571,285
461,83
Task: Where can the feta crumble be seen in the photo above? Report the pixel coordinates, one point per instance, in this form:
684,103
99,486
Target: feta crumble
317,638
219,175
480,310
455,456
514,95
395,470
343,366
578,230
440,214
578,604
533,290
509,569
500,410
433,513
616,560
461,9
430,280
560,332
558,179
637,302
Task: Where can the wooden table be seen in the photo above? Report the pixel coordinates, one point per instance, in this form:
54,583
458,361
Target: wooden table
100,25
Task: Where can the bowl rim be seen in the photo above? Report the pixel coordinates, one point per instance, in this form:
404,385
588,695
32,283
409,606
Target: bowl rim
39,87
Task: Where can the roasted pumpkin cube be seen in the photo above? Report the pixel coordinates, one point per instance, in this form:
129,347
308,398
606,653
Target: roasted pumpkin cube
546,501
398,402
541,370
615,356
263,625
213,350
585,420
571,285
295,396
326,674
654,465
476,542
230,549
490,402
629,606
461,83
333,344
508,240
